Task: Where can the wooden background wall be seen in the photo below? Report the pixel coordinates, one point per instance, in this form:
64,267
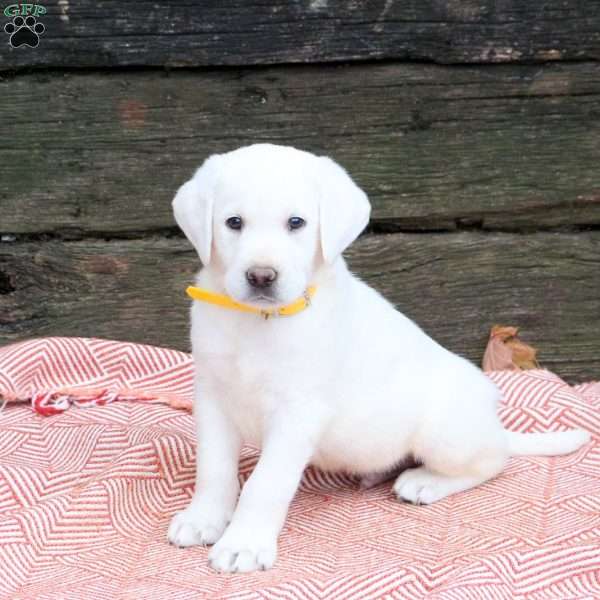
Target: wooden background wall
474,126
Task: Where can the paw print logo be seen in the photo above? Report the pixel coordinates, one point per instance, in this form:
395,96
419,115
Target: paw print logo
24,32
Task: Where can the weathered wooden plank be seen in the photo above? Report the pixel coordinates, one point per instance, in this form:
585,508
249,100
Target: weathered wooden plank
455,285
183,33
504,147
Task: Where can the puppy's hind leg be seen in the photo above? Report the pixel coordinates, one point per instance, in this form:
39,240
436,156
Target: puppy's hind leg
453,460
424,486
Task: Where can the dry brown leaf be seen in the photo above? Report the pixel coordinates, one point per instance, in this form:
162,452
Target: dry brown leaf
505,351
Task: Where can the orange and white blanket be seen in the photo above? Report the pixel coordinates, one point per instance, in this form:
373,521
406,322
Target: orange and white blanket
86,496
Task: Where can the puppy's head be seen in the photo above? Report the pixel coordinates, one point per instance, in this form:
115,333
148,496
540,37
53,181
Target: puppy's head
264,218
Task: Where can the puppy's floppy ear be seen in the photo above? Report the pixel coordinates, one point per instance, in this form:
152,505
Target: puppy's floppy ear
193,207
343,208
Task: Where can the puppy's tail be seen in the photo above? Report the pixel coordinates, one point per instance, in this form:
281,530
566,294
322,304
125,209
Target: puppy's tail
553,443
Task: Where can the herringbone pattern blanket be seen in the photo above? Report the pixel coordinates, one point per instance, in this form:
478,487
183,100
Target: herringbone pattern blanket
86,496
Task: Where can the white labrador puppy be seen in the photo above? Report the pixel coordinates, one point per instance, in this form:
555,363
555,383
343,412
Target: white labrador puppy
347,384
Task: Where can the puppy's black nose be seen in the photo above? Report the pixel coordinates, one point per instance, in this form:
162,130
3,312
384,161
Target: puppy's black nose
261,277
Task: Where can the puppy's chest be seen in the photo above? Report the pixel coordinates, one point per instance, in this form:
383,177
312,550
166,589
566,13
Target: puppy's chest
254,366
248,395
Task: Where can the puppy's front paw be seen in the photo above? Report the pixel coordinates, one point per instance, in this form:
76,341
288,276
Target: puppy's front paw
196,525
243,553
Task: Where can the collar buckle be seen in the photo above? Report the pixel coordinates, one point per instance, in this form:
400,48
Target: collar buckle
307,298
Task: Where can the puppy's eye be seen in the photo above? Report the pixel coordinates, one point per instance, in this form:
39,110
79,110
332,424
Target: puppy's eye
234,223
296,223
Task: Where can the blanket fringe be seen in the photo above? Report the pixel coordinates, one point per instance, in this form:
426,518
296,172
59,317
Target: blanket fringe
53,402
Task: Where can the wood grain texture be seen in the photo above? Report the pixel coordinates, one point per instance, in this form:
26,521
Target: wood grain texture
503,147
456,286
91,33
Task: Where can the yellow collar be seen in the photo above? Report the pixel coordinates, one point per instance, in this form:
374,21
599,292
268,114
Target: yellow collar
226,302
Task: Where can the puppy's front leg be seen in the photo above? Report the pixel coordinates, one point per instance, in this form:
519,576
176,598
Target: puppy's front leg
217,486
250,541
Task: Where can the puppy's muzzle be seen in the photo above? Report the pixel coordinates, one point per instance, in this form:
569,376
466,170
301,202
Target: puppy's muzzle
261,277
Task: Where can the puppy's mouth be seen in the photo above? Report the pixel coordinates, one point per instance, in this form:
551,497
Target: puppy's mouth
261,300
